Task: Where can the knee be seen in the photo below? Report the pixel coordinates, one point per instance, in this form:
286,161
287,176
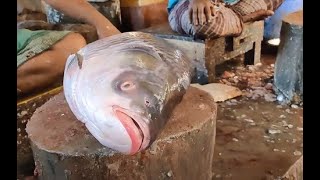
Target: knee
75,41
70,44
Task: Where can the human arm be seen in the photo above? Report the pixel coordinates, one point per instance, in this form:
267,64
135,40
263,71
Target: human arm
83,11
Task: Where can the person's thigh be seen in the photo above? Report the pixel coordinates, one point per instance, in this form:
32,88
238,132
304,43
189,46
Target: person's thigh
225,22
47,67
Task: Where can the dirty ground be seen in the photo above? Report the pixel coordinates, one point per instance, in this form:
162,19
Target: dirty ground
256,137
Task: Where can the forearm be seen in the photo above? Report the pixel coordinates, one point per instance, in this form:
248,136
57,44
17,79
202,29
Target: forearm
82,11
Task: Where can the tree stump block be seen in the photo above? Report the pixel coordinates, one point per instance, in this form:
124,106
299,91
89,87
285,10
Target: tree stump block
25,108
288,76
64,149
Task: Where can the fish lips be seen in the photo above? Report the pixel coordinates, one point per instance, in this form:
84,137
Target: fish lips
136,128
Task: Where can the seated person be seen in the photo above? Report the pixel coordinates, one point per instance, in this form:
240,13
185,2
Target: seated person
207,19
42,54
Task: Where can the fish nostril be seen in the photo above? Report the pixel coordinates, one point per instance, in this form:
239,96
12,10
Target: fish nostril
146,102
128,85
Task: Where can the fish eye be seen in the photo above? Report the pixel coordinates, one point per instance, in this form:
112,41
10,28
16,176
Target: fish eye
126,86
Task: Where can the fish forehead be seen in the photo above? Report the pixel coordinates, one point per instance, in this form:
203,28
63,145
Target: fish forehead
170,56
125,59
150,65
139,58
135,65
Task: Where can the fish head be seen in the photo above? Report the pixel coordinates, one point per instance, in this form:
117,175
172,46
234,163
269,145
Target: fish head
119,96
140,92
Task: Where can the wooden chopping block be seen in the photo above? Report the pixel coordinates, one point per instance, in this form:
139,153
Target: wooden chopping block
25,108
64,149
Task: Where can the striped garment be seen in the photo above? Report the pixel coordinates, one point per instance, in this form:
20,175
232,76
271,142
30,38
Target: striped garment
246,7
226,22
172,3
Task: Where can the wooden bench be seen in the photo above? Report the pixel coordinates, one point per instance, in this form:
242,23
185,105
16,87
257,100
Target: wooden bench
206,54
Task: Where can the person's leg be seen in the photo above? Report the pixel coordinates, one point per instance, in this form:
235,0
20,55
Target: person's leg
225,22
254,10
228,20
47,67
247,7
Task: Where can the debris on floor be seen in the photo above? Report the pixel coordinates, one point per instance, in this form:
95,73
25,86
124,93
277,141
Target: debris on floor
220,92
255,131
255,81
256,134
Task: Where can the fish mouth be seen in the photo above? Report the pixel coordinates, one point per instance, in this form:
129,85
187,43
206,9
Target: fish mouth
135,128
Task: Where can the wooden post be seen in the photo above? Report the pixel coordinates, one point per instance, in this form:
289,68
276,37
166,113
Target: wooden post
288,77
214,52
25,108
64,149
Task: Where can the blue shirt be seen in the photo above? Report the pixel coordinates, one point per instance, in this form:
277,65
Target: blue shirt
172,3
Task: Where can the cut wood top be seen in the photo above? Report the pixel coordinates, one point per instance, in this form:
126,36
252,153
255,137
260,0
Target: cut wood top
295,18
54,128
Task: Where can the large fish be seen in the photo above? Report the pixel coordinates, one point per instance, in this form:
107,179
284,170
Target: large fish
124,88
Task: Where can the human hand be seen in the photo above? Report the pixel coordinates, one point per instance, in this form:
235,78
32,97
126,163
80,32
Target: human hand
200,12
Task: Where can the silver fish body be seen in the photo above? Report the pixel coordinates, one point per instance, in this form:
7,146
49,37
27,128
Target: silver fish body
124,88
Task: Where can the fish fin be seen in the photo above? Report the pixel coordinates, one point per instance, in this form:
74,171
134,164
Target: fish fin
79,59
